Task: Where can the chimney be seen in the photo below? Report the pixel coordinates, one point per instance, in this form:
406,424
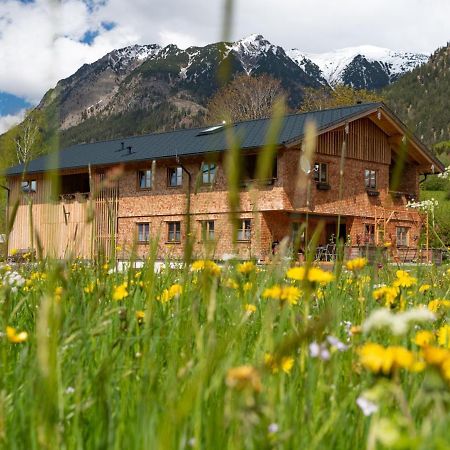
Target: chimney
129,150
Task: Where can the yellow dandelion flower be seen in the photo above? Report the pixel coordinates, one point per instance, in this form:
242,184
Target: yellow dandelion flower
387,293
356,264
246,267
404,279
231,284
15,337
244,377
250,308
444,336
140,316
120,292
313,275
424,288
285,363
273,292
206,266
438,305
291,294
169,294
89,289
423,338
379,359
247,287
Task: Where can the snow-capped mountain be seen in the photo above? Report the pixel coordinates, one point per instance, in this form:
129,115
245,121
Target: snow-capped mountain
145,88
365,66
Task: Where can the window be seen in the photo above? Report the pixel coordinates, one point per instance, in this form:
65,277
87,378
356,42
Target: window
250,165
145,179
28,186
370,179
207,230
402,236
244,231
321,172
72,184
143,232
369,234
208,173
174,231
175,176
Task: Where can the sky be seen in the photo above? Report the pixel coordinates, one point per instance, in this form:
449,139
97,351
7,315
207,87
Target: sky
43,41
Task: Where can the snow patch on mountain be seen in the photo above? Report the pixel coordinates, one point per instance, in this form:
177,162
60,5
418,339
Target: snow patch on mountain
333,64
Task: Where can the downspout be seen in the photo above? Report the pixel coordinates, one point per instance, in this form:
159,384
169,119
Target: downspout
188,245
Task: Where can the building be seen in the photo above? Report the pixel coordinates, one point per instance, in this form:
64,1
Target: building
125,193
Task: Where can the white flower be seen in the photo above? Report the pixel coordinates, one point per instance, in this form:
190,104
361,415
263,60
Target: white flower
367,407
337,344
70,390
273,428
398,323
319,351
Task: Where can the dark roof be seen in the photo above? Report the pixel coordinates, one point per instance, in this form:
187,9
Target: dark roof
251,134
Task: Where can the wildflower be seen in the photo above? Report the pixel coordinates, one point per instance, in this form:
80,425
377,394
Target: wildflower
367,406
319,351
386,293
89,289
398,323
336,344
356,264
285,363
423,338
247,286
290,294
70,390
439,305
140,316
207,266
169,294
273,428
246,267
313,275
404,279
15,337
444,336
250,308
120,292
244,377
232,284
424,288
440,359
379,359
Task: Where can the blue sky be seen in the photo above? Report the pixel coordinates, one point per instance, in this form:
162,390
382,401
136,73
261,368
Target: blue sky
43,41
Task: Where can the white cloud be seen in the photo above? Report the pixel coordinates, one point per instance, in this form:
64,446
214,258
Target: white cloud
40,40
7,122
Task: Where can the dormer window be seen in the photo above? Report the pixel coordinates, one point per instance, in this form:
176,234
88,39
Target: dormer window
28,186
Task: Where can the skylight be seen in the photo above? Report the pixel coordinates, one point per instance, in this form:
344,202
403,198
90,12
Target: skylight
211,130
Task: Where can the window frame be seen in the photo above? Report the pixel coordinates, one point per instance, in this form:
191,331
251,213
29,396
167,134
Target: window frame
320,165
244,233
205,230
404,240
178,176
369,176
30,189
144,171
369,233
211,178
176,233
138,226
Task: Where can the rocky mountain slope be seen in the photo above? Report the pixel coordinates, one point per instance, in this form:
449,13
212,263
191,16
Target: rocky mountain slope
151,88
